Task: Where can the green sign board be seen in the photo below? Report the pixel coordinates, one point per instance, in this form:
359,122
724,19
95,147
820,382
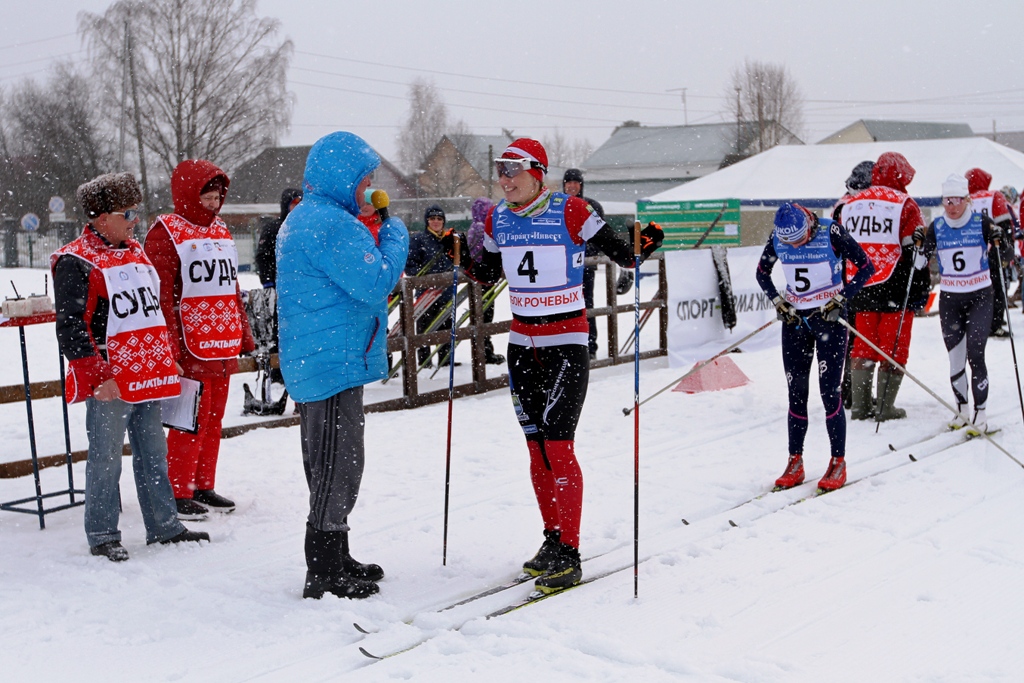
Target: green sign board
686,222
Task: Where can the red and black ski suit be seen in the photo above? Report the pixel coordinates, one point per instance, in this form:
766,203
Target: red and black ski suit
539,248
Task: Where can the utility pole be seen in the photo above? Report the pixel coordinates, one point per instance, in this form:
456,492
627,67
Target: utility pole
144,209
124,100
686,119
490,171
738,116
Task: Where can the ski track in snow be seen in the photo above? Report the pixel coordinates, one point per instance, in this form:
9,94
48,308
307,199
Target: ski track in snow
909,574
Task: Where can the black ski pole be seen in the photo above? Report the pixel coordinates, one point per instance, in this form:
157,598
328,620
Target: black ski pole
1009,327
636,410
895,344
451,401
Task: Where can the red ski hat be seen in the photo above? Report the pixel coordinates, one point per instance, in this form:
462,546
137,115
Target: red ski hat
528,148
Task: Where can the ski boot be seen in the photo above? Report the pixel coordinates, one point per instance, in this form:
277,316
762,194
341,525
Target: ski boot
834,477
566,572
979,425
794,474
960,421
547,557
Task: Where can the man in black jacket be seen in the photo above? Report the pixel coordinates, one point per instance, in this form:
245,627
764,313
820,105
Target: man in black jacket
429,250
266,266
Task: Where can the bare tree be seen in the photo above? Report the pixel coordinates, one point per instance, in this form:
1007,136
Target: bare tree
423,129
210,75
566,153
52,142
765,94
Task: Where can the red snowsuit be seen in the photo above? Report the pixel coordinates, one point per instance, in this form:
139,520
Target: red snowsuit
879,306
192,458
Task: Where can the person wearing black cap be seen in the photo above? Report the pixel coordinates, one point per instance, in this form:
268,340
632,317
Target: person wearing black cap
432,247
812,252
266,263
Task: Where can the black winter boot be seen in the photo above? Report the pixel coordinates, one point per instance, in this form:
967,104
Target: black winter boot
566,572
324,568
356,569
547,557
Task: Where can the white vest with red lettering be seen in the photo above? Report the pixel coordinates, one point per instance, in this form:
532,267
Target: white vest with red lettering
138,350
873,218
211,323
981,202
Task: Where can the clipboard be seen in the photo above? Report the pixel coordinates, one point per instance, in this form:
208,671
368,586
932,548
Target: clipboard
182,412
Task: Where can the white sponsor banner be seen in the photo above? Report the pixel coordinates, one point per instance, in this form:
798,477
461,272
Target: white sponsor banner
695,329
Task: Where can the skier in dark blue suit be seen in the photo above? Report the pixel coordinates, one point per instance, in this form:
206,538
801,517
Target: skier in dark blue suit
813,253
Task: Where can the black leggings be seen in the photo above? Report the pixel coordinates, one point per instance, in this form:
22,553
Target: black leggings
965,318
549,386
798,345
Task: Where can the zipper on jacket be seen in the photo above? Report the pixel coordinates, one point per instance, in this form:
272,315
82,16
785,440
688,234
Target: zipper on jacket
366,353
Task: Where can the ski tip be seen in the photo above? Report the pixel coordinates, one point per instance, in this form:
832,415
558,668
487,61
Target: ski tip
892,448
359,628
912,458
732,523
685,523
371,656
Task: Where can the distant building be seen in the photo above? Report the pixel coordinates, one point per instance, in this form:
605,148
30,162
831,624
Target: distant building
256,186
867,130
461,166
639,161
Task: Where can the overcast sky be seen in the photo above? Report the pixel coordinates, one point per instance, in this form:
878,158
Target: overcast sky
582,67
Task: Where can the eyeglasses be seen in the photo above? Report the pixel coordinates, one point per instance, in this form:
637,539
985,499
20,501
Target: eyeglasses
510,168
129,214
953,201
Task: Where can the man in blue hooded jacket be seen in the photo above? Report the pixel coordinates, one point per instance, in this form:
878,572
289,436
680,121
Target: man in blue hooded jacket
333,280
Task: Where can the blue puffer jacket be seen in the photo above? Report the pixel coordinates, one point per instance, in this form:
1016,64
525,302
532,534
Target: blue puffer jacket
333,279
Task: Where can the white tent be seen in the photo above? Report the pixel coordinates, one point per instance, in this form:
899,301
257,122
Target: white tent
814,175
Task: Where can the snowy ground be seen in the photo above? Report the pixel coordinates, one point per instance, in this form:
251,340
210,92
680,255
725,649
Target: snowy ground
911,573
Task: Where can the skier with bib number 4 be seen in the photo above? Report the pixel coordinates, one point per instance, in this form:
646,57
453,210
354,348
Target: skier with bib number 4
813,252
537,239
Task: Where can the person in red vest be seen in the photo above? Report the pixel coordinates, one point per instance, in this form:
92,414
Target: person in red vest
882,219
197,262
111,328
993,204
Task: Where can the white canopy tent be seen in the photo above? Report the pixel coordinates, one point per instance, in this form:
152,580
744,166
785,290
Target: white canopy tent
814,175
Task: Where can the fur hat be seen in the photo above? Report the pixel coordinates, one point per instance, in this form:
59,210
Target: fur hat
107,193
860,177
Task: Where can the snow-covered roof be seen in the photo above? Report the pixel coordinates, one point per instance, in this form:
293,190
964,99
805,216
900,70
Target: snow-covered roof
815,175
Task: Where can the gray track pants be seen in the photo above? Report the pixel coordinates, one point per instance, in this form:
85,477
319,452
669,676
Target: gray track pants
332,455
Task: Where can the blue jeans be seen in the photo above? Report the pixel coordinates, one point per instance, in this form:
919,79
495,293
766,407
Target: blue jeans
106,422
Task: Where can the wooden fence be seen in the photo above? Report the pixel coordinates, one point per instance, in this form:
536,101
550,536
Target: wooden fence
405,345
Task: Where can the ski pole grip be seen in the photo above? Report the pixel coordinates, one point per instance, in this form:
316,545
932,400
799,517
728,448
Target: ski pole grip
380,201
636,239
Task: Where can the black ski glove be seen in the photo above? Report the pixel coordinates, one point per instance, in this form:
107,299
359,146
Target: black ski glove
651,239
833,308
785,311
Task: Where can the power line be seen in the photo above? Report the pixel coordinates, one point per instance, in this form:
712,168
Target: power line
34,42
43,59
487,94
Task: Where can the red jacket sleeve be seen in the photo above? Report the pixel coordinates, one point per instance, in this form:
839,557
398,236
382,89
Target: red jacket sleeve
910,219
160,250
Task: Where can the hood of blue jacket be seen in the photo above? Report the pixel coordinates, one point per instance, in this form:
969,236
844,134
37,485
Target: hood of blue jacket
336,165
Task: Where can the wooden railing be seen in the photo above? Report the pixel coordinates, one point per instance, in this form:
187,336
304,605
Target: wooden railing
405,345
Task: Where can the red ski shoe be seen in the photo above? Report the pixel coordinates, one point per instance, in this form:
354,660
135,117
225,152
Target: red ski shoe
794,474
835,477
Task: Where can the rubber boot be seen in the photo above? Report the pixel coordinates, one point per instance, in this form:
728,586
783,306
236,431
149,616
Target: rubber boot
356,569
888,387
860,392
324,571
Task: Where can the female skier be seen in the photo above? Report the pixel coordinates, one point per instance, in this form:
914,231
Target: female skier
813,252
537,238
961,239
